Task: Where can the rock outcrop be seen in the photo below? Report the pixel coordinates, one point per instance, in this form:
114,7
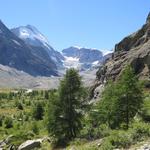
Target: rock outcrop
133,50
146,146
136,39
6,142
30,144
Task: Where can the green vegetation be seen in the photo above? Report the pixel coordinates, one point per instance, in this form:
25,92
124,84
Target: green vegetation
120,119
38,111
22,115
120,101
66,110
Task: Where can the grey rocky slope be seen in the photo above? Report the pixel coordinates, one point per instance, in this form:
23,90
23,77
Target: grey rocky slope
17,54
133,50
12,78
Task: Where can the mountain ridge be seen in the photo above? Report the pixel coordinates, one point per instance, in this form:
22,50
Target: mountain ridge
83,58
39,43
28,50
16,53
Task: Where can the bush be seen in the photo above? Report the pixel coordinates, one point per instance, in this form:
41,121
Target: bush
35,128
20,106
145,112
90,132
124,138
8,123
1,121
21,136
38,111
140,130
146,83
117,139
121,139
106,145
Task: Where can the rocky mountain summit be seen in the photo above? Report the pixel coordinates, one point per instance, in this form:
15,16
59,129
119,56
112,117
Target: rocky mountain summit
84,54
134,50
18,54
39,44
84,58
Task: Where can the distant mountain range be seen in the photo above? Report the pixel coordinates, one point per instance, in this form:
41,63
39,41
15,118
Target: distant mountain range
83,58
26,49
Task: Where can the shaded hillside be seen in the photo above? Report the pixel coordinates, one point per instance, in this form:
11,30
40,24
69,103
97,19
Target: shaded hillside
17,54
39,44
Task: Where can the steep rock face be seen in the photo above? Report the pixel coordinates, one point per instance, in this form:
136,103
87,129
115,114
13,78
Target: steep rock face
133,50
17,54
138,57
134,40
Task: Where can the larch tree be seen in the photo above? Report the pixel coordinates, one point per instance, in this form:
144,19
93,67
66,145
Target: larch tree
65,120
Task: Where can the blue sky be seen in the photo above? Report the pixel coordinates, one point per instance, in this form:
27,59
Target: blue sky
86,23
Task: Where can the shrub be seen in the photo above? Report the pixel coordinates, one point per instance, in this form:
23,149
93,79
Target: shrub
35,128
20,106
117,139
1,121
106,145
124,138
8,123
38,111
145,113
140,130
146,83
90,132
21,136
121,139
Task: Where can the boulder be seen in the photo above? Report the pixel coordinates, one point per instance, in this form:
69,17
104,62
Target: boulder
5,142
30,144
146,146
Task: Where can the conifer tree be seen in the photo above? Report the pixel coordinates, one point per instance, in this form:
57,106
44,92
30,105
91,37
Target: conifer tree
66,108
121,100
38,111
131,96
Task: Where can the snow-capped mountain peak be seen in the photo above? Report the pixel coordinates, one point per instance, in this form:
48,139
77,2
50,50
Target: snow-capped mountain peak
83,58
106,52
31,35
39,43
37,34
77,47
